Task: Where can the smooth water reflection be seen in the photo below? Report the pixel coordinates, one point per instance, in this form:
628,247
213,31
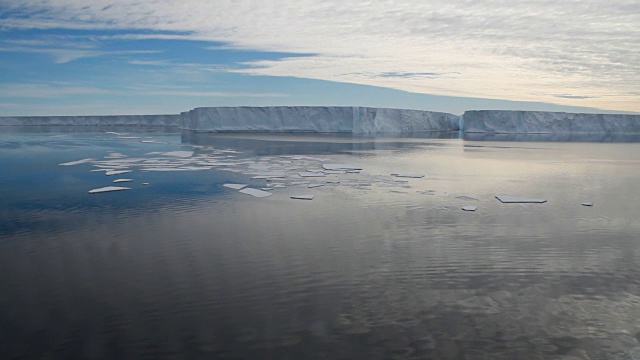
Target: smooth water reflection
184,268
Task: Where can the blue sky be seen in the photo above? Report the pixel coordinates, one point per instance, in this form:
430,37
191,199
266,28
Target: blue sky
69,57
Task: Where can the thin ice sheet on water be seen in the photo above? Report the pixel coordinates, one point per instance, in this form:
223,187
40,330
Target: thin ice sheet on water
122,180
108,189
470,208
303,197
515,199
415,176
311,174
235,186
345,167
256,192
77,162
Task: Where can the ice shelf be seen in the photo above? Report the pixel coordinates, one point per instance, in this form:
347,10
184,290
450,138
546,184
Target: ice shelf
352,119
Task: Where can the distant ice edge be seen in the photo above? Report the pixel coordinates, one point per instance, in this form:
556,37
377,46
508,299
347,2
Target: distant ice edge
354,120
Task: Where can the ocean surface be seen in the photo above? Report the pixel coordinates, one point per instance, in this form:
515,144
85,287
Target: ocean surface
376,266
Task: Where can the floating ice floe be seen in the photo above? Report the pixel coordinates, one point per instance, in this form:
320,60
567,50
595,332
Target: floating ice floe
108,189
516,199
117,172
179,153
587,204
266,188
343,167
311,174
115,133
302,197
415,176
122,180
145,183
256,192
470,208
235,186
314,185
77,162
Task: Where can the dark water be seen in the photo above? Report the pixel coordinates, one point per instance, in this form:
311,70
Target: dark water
184,268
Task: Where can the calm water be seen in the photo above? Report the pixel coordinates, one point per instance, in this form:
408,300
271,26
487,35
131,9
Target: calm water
372,268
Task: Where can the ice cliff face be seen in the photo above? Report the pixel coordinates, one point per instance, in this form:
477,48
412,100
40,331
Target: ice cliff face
540,122
115,120
357,120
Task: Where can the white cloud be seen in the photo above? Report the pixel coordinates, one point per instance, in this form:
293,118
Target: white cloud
518,50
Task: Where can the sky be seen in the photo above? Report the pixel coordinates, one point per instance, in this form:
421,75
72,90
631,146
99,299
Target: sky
92,57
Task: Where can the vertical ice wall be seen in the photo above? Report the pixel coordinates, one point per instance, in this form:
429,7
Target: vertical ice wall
541,122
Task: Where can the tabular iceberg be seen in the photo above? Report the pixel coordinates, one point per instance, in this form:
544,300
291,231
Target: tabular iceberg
541,122
173,120
349,119
355,120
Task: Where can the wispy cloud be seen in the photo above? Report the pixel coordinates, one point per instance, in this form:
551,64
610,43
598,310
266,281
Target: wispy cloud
569,96
518,50
47,90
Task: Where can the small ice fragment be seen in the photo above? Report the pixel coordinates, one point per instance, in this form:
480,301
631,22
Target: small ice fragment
115,155
334,172
179,153
311,174
148,141
415,176
115,133
587,204
279,186
145,183
515,199
302,197
117,172
470,208
344,167
266,189
235,186
128,137
77,162
256,192
107,189
314,185
122,180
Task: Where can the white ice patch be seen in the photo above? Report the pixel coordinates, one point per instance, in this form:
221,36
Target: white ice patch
108,189
470,208
256,192
122,180
302,197
235,186
117,172
314,185
179,153
516,199
77,162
